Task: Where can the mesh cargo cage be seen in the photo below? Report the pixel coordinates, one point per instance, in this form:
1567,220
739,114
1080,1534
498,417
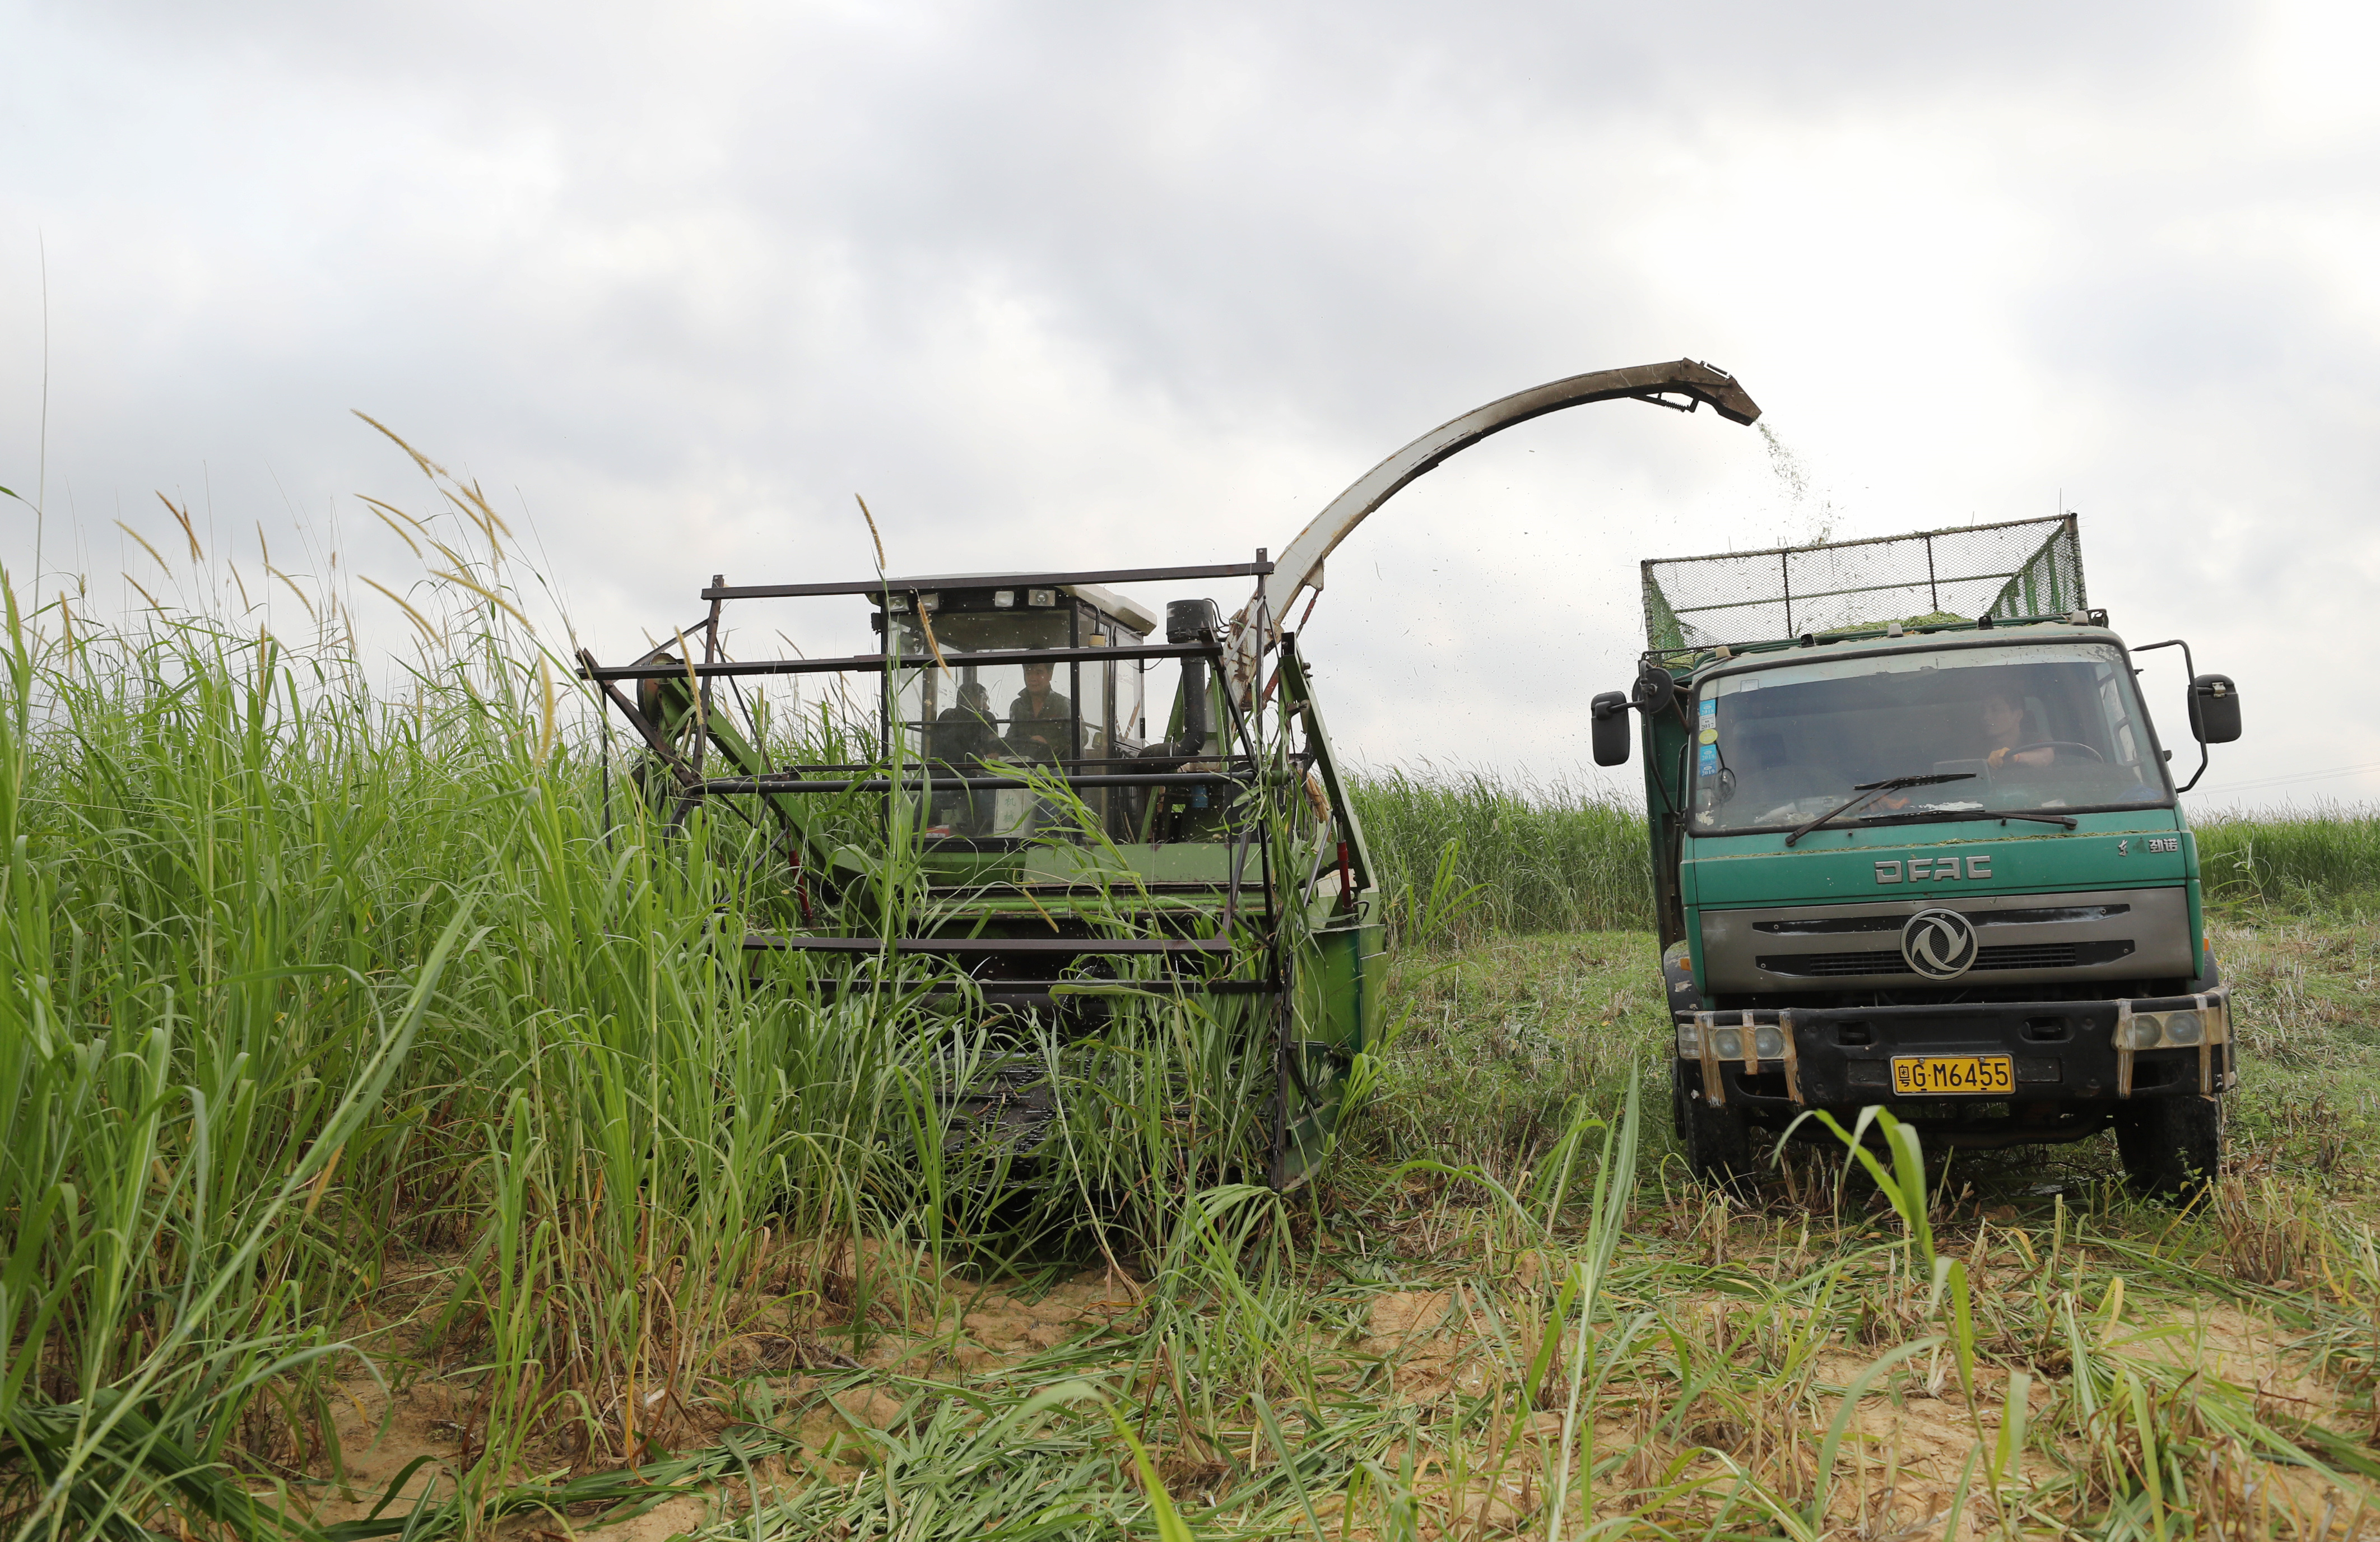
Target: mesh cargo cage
2021,567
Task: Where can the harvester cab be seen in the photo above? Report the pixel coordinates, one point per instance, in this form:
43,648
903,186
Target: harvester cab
1000,698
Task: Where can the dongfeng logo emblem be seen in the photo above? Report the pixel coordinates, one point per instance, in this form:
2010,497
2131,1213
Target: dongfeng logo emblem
1938,944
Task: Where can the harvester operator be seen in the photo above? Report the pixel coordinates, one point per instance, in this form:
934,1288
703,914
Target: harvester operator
1039,718
963,736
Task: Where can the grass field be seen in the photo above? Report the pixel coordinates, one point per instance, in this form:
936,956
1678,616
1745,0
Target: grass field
382,1130
1560,856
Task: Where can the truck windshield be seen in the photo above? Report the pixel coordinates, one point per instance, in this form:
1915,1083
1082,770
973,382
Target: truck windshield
2036,725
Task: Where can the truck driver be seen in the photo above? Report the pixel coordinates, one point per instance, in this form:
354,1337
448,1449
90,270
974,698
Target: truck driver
2002,715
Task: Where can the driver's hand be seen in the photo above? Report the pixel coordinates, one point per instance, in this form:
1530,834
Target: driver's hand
1997,758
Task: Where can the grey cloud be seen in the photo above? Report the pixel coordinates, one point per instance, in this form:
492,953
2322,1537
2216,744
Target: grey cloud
1132,282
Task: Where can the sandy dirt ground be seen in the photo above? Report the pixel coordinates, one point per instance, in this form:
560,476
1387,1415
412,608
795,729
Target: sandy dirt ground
1911,1435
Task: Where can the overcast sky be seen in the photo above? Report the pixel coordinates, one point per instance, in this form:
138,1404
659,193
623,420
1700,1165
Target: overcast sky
1090,284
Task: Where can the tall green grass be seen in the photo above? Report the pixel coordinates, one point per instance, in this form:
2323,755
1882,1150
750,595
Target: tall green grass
302,985
2324,857
1532,855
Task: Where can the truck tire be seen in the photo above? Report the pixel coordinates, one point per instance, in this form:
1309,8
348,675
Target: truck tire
2172,1147
1718,1141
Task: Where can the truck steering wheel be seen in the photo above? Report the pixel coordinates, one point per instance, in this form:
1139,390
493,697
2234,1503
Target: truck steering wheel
2058,744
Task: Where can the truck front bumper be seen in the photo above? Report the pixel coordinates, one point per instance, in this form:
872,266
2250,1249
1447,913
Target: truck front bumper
2106,1053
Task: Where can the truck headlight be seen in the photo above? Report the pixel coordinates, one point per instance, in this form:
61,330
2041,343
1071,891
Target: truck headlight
1728,1042
1768,1043
1689,1042
2185,1028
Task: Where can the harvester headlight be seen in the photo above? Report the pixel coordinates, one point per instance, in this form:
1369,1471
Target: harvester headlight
1728,1042
2139,1031
1003,599
2183,1027
1768,1042
1689,1042
1042,597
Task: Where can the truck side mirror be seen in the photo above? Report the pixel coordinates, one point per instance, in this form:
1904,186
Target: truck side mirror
1609,712
2213,710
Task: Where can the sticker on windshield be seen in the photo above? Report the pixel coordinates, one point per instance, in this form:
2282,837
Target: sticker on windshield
1710,710
1710,735
1709,761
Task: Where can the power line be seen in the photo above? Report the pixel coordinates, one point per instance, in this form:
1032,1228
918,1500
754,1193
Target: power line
2299,776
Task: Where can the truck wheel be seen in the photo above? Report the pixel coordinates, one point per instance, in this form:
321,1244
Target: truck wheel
1718,1141
2172,1147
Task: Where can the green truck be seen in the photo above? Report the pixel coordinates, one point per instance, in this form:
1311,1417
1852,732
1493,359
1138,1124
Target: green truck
1916,844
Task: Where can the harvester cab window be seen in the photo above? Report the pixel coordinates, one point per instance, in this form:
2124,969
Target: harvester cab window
980,719
1131,699
2023,727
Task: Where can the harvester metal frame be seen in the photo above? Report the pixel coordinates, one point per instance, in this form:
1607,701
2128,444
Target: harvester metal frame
1011,972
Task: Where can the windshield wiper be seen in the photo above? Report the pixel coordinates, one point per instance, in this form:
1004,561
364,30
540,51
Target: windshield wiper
1867,790
2068,821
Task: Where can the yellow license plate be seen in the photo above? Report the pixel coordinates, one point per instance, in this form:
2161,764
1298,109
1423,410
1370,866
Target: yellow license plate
1919,1075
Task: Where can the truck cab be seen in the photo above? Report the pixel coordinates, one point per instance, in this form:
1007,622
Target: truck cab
1938,864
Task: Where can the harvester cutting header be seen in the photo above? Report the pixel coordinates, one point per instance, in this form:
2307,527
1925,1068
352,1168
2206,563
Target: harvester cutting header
1070,858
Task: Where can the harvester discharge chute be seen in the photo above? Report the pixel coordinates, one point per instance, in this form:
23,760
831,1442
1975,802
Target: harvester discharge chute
1114,856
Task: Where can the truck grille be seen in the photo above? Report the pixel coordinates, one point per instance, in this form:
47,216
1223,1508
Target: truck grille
2042,955
2024,940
